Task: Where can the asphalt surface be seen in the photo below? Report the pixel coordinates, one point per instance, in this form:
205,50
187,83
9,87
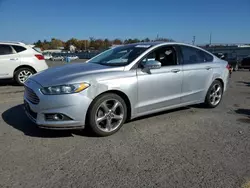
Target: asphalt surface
187,147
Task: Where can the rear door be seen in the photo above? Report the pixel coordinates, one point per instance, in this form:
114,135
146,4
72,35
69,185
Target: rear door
9,61
197,74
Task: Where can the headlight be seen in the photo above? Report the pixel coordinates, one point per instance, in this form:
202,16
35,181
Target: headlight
64,89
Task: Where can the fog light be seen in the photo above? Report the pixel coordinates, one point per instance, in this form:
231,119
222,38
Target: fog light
56,117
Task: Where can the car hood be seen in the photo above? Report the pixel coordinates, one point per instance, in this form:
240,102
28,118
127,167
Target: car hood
70,73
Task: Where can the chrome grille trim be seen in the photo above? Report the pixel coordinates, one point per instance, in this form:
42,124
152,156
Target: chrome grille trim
31,95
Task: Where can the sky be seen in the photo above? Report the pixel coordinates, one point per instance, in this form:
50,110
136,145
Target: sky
180,20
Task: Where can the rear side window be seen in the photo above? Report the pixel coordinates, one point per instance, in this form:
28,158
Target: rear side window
194,56
207,57
5,49
37,50
18,48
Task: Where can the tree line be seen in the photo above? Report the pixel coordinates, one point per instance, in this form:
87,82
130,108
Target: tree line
90,44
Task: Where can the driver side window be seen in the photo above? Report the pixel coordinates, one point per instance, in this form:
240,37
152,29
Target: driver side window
165,55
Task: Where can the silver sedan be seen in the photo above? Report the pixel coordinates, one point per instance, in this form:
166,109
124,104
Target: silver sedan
123,83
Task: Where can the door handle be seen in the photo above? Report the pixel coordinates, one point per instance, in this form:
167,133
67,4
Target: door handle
175,70
14,59
208,68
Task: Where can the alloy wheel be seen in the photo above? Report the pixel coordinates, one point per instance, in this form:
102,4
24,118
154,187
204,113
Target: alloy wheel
215,94
109,115
24,75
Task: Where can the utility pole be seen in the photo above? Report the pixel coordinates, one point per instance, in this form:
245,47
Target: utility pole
210,39
193,42
157,37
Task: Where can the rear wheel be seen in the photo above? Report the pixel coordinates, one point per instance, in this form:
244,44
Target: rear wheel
107,114
214,94
22,74
236,67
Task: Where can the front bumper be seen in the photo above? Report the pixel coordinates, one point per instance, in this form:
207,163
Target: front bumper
74,106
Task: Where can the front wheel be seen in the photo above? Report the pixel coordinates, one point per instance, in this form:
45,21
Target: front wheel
107,114
22,74
214,94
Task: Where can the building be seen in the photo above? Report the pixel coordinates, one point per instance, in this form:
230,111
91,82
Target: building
232,51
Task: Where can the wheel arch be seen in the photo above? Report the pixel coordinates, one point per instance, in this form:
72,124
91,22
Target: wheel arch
24,66
117,92
221,81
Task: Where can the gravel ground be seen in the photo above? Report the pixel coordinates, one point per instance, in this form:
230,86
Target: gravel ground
187,147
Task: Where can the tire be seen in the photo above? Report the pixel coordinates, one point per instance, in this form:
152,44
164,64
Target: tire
26,72
236,67
213,98
106,116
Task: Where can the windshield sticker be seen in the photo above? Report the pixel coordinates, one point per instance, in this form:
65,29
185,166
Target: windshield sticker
142,46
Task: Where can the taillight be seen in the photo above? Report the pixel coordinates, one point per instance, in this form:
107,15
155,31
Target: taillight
228,66
39,57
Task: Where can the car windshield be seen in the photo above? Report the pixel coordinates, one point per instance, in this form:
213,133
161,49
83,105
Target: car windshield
120,56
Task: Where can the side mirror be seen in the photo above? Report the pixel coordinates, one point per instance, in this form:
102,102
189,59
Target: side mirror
152,64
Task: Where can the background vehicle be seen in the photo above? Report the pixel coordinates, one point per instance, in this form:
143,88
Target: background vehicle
19,61
124,83
232,60
57,58
73,57
245,63
47,56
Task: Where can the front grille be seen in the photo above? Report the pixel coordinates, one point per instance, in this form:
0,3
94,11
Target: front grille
31,95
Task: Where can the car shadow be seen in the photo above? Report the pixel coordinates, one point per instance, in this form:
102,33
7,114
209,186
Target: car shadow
160,113
8,82
243,111
246,83
17,118
246,113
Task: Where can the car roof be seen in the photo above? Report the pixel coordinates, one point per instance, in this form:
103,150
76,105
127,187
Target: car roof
161,43
13,43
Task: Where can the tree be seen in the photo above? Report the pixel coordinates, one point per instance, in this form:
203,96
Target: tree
92,43
73,42
38,43
117,42
131,41
107,43
145,40
164,40
83,44
56,43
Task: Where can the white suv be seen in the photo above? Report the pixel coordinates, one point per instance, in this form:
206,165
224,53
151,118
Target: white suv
20,61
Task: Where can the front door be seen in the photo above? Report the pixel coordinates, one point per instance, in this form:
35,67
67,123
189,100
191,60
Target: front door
9,60
161,88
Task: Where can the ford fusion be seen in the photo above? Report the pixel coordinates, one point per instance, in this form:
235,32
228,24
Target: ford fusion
123,83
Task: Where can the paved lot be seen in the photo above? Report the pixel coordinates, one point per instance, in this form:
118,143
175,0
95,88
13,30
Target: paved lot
188,147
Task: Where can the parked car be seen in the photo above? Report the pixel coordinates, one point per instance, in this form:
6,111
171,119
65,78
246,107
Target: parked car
57,58
233,61
19,61
73,57
102,94
245,63
47,56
